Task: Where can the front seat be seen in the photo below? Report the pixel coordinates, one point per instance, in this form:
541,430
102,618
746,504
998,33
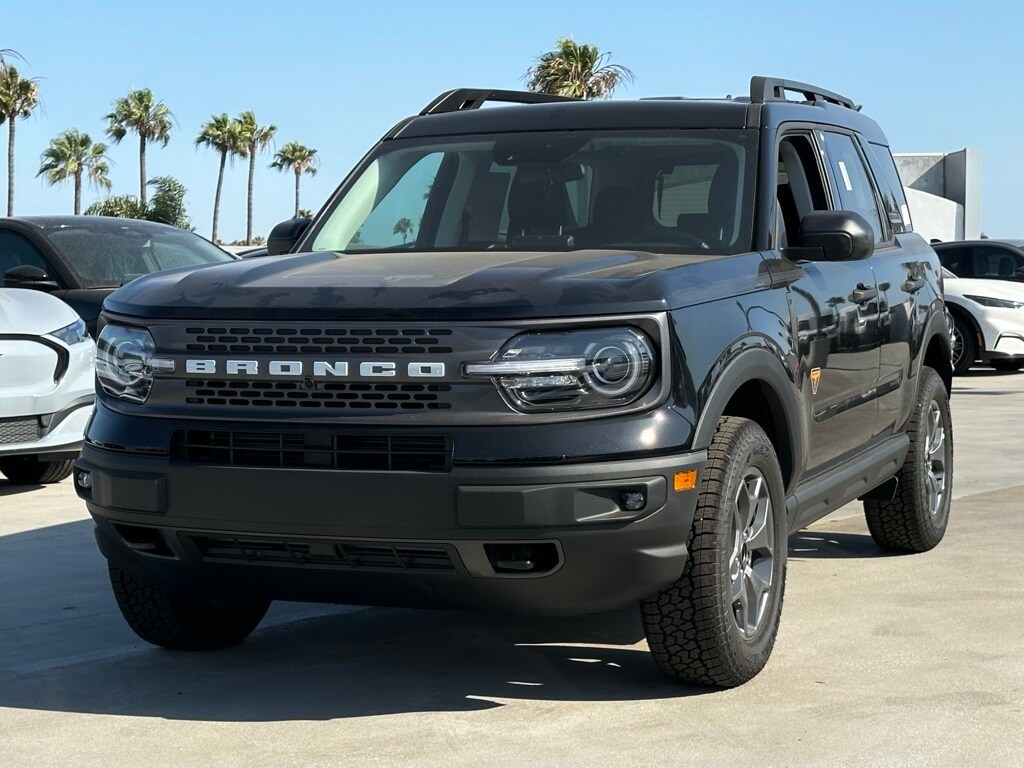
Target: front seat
617,218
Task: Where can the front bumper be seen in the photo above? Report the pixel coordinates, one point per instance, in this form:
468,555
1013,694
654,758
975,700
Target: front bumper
1003,333
439,539
61,432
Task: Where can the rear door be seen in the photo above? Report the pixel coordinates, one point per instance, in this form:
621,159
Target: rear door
865,181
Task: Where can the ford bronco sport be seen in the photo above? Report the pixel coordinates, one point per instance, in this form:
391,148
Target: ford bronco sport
554,357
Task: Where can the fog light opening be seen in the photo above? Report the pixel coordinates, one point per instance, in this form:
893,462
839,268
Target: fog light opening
149,541
84,480
522,558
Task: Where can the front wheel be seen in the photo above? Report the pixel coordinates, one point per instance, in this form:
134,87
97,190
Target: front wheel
34,470
915,520
182,621
716,625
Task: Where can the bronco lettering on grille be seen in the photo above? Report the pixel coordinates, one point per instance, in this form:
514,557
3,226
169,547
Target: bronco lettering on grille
321,368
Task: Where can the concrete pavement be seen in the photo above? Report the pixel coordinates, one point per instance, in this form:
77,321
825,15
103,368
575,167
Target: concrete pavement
881,660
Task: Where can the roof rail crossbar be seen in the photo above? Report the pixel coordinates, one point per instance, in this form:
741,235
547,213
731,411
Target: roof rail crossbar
764,89
474,98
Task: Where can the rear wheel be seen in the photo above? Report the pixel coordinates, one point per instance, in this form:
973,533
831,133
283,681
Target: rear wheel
717,624
915,520
182,621
964,347
34,470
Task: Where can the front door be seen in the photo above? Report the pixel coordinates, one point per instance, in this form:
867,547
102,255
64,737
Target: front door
835,310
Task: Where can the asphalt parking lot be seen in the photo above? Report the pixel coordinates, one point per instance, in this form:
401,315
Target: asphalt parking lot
881,660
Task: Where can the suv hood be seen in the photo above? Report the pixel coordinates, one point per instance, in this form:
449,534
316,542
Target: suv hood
26,312
488,284
1011,290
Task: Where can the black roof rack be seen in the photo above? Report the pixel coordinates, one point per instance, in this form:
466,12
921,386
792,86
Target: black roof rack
765,89
474,98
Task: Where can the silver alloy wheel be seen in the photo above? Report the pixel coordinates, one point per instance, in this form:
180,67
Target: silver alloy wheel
957,342
751,562
935,459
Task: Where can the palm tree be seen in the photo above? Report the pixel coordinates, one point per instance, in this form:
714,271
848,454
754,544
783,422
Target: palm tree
18,97
139,112
71,155
404,228
222,134
255,138
298,159
576,69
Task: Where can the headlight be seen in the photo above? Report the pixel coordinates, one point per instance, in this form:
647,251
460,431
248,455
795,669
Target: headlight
72,334
125,362
572,370
988,301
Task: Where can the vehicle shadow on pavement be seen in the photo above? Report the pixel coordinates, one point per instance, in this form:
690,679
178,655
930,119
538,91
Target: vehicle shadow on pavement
339,665
833,545
7,488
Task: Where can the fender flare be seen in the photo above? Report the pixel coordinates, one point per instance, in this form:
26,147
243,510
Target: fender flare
758,364
936,327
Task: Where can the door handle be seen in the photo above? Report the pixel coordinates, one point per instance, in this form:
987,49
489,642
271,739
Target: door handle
863,293
913,286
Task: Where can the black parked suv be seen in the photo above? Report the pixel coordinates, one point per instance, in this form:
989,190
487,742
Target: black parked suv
552,358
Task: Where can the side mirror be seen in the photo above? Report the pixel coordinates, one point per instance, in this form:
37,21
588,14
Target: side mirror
285,235
836,236
28,276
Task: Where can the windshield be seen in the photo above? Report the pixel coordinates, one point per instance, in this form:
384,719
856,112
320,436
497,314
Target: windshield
112,257
667,192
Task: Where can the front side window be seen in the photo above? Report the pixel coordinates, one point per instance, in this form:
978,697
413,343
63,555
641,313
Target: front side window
110,257
853,185
663,192
957,259
16,251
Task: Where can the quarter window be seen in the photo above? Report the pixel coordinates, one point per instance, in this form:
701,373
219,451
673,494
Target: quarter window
852,183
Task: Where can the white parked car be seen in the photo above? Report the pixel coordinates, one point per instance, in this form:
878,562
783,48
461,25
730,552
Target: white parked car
46,386
988,322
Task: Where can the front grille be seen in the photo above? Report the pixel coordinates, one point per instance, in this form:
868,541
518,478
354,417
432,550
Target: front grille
316,340
20,430
315,450
343,554
294,394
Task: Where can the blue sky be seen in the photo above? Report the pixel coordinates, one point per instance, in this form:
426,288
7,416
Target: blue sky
936,75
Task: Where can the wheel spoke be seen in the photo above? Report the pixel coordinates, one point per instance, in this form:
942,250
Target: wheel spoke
937,441
760,536
751,602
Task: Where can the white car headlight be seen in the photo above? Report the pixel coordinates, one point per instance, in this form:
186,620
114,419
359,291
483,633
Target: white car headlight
72,334
125,362
572,370
989,301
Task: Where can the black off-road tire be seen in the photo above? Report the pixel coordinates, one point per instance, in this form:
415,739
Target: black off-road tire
969,340
690,626
907,523
35,470
183,622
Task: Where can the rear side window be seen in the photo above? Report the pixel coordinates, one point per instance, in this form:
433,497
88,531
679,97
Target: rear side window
852,183
891,188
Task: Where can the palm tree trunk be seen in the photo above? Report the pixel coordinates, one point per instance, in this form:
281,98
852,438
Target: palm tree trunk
78,193
10,165
216,197
297,176
252,176
142,170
